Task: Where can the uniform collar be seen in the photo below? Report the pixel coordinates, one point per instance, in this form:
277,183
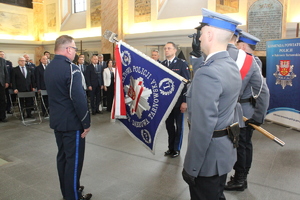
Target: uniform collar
61,57
212,54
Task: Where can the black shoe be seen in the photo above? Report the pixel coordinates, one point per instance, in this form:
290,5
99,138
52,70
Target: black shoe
169,152
237,183
94,113
99,112
175,154
9,112
245,185
81,188
3,120
86,196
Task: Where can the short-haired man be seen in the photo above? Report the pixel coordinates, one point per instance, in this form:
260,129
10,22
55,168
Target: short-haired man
81,65
254,99
212,99
101,62
155,55
47,53
83,56
94,83
174,122
40,82
23,80
70,117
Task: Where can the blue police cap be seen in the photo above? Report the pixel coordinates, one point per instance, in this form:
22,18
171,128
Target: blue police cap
248,38
237,31
218,20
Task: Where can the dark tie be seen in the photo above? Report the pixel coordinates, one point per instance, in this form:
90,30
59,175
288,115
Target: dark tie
82,69
169,63
23,71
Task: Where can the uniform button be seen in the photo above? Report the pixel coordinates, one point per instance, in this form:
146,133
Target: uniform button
194,169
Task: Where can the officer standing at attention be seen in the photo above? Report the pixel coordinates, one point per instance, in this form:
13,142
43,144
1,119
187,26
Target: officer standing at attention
254,99
248,42
70,117
174,122
212,98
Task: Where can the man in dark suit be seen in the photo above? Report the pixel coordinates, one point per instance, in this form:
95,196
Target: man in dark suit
94,83
47,53
174,122
9,69
81,65
82,56
3,84
23,81
103,65
101,62
40,82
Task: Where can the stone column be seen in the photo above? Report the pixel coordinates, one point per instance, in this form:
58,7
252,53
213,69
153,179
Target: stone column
38,17
111,19
39,52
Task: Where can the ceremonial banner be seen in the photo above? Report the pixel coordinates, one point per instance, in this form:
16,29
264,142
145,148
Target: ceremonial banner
283,73
146,90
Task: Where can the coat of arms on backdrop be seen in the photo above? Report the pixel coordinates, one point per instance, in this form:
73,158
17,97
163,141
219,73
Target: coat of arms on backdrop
284,73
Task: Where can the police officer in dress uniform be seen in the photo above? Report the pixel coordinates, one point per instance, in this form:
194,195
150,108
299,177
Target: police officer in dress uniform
254,99
248,42
212,98
70,117
174,122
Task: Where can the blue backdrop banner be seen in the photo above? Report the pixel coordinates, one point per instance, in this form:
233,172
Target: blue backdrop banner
283,73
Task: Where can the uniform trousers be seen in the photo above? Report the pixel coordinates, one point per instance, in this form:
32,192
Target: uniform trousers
2,102
95,97
244,151
208,188
8,103
174,125
110,94
69,162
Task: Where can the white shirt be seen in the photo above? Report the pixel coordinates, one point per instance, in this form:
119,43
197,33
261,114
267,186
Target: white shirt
25,70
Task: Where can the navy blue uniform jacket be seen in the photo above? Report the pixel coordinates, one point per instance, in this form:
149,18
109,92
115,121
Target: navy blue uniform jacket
67,98
180,67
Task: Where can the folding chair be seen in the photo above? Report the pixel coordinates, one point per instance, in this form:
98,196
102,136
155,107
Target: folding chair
34,107
44,93
14,104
